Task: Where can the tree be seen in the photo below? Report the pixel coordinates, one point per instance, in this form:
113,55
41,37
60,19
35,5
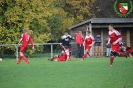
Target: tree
79,9
105,9
19,14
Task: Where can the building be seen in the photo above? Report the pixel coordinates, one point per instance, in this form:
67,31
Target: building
100,25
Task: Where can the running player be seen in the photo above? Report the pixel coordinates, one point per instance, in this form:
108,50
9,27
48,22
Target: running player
25,39
114,39
88,42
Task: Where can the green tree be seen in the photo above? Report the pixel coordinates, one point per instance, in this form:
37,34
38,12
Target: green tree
105,9
79,9
32,14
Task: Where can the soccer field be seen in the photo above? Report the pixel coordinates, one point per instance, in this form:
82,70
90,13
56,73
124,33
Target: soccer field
90,73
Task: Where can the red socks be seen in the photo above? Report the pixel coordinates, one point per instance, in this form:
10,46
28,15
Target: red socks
88,53
130,55
111,60
26,60
20,57
53,58
83,56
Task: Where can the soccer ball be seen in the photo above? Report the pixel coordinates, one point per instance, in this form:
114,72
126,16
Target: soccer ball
0,59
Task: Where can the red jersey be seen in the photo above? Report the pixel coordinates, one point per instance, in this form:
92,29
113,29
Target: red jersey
89,40
115,36
64,56
26,38
79,38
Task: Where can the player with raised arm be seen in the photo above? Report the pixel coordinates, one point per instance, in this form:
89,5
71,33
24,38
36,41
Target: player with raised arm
114,39
25,39
64,56
88,42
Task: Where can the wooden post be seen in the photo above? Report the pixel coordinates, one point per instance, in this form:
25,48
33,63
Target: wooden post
92,49
128,38
102,42
87,28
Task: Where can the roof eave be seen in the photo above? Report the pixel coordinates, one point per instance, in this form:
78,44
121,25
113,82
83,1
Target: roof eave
94,21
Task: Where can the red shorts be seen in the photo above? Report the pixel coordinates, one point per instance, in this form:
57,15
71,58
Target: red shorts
115,48
87,47
62,58
23,48
131,50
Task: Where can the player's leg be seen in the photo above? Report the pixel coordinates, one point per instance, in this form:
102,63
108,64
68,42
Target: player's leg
55,56
112,55
124,53
115,52
19,59
70,58
111,58
22,50
88,53
129,54
20,55
24,57
87,48
85,54
130,51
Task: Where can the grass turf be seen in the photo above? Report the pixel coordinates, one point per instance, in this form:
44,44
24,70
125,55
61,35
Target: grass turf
91,73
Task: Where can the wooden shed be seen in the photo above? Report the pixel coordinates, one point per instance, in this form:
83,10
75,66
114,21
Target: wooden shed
100,25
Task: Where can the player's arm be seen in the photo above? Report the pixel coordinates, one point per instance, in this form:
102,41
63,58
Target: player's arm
81,40
108,42
93,41
20,39
62,46
31,42
70,37
63,37
84,42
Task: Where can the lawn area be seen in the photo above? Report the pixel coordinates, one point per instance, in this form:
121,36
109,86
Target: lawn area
91,73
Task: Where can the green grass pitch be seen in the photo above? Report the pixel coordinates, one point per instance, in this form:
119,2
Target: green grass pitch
90,73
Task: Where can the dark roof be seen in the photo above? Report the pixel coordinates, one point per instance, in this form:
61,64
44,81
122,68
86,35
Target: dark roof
104,20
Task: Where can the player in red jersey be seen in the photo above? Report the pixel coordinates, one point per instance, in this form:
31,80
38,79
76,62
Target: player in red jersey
64,56
25,39
88,42
114,39
126,51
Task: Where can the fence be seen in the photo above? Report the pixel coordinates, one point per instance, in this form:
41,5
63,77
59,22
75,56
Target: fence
49,49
